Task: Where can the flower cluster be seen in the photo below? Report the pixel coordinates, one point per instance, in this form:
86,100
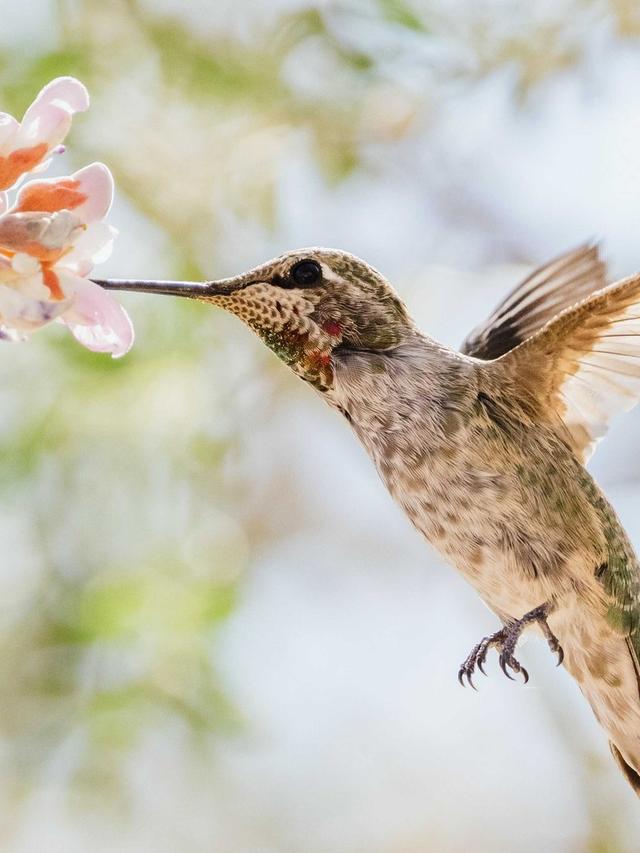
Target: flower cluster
55,230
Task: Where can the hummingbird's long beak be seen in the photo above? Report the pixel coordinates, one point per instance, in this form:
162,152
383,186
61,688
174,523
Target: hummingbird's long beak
191,289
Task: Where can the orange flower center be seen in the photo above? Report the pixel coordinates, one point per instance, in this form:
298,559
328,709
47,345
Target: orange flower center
50,198
52,281
20,161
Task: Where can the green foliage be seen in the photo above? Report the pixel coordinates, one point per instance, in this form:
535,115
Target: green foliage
21,79
400,12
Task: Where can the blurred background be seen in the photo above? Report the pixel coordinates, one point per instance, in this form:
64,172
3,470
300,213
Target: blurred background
217,632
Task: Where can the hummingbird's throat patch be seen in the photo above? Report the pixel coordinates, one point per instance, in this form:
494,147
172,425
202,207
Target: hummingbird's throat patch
283,320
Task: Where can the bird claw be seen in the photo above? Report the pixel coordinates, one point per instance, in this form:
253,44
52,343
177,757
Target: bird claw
505,642
503,666
466,671
559,651
508,660
478,657
462,673
550,637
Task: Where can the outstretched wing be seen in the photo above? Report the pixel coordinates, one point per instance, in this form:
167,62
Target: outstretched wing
550,289
583,366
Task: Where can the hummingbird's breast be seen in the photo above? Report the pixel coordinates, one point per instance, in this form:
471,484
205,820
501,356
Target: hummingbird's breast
510,507
504,499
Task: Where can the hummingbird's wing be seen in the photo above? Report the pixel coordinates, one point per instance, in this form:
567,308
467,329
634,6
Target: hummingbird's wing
550,289
583,366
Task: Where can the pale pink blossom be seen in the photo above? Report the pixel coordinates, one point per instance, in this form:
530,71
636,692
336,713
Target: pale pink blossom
49,242
25,145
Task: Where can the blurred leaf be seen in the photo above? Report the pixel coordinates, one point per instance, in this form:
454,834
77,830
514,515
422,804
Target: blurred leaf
19,88
400,12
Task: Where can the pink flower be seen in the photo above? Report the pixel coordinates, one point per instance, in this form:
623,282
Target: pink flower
25,145
49,242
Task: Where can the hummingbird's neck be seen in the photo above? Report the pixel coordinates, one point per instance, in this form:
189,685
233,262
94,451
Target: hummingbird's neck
402,396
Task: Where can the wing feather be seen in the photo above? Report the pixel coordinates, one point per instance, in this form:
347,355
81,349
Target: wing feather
584,365
550,289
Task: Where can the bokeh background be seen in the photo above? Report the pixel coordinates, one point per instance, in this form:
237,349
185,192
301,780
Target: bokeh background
217,632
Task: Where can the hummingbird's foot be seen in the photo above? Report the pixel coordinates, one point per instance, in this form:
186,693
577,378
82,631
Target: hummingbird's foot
479,655
505,640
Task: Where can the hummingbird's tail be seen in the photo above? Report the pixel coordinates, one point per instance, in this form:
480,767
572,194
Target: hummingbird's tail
632,776
630,768
607,670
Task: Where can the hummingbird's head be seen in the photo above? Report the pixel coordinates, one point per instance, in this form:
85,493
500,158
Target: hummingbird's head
306,305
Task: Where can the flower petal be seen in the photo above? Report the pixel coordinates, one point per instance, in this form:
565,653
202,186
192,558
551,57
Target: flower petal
11,335
19,162
24,264
95,318
19,311
67,91
64,93
8,129
48,126
88,193
93,246
45,124
96,183
43,235
4,202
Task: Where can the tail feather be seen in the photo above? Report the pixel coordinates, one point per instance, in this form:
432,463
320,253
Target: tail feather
632,776
608,673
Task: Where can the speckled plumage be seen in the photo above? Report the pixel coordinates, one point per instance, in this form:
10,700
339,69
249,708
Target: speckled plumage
510,506
484,449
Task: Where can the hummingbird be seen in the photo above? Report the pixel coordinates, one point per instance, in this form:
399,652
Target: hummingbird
484,448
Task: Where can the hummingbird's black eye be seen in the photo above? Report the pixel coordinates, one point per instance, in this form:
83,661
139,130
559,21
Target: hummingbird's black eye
306,273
